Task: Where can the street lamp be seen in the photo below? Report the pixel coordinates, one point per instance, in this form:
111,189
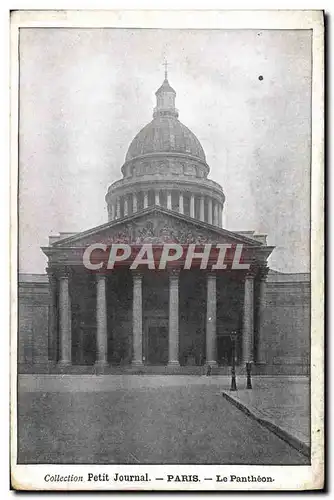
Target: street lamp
233,337
249,371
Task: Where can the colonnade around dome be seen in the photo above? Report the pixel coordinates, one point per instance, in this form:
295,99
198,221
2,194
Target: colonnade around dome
199,207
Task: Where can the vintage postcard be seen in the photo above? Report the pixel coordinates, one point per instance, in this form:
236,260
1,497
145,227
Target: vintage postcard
167,250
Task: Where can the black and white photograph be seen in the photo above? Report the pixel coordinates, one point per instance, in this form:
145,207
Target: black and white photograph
168,186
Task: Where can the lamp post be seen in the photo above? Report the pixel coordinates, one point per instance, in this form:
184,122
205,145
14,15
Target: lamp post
233,378
249,378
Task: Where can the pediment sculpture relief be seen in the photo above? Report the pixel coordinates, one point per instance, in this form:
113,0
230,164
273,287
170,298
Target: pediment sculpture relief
156,229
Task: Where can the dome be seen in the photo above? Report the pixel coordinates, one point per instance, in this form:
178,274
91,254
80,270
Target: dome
165,134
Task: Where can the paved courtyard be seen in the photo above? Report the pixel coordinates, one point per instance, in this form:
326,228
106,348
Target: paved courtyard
130,419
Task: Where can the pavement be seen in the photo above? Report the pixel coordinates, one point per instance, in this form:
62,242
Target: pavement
160,419
280,404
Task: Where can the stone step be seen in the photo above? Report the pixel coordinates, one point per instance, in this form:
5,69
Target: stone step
52,368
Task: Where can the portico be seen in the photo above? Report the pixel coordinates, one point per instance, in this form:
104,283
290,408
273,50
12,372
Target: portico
143,317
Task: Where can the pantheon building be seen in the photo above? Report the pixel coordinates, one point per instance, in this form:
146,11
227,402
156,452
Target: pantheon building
173,320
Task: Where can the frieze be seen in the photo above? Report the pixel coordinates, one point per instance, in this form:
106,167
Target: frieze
199,172
158,167
168,166
189,169
160,230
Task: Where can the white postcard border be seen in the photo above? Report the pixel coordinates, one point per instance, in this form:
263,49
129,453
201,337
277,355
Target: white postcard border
29,477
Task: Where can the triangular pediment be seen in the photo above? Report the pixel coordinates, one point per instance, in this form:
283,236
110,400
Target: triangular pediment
155,225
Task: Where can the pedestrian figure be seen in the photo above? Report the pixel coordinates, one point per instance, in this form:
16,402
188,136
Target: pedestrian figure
208,370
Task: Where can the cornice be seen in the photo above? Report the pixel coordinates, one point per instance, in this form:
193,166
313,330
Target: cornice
131,185
165,155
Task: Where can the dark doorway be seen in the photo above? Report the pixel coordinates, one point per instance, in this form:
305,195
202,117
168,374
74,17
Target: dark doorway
224,350
157,345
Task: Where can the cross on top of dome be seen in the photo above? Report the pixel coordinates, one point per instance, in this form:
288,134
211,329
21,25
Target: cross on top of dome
166,69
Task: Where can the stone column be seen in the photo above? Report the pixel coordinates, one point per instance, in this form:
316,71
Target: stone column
173,326
181,205
211,312
126,206
101,321
113,210
201,208
134,203
137,320
215,213
220,215
261,340
169,200
248,319
192,206
64,320
157,197
210,210
118,208
53,333
145,199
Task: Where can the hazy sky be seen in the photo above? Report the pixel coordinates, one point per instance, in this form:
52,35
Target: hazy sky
85,93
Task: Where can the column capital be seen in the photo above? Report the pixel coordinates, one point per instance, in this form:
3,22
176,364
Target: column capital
50,270
138,275
174,273
52,275
63,272
211,274
251,273
100,276
263,272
